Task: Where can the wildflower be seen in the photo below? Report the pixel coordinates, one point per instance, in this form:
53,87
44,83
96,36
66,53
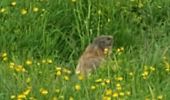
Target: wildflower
99,12
2,10
98,80
38,63
57,90
108,20
4,54
103,83
131,73
121,93
11,65
35,9
28,80
13,97
24,11
119,78
58,73
140,5
32,98
121,49
66,71
80,77
77,87
106,98
54,98
145,74
160,97
21,96
128,93
20,68
93,87
44,61
107,81
13,3
152,68
5,58
108,92
58,68
106,51
73,0
71,98
27,91
49,61
115,94
66,78
118,86
28,62
43,91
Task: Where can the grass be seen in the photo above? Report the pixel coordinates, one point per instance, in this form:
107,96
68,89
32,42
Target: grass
41,40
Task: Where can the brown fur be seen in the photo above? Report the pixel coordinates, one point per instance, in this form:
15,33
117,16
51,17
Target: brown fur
94,54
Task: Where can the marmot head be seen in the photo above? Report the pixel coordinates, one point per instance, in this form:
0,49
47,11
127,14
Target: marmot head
103,41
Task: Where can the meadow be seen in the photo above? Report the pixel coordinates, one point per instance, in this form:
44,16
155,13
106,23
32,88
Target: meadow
41,41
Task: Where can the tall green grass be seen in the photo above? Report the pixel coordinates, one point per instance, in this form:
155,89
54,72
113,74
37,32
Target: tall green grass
59,32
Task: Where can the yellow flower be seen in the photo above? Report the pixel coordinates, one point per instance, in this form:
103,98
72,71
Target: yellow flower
152,68
28,80
54,98
49,61
66,71
4,54
11,65
103,83
115,94
5,59
13,96
128,93
145,74
35,9
73,0
20,68
28,62
118,86
119,78
99,12
77,87
106,50
106,98
66,78
24,11
107,81
160,97
13,3
27,91
58,73
93,87
131,73
98,80
57,90
43,91
80,77
71,98
44,61
58,68
121,93
2,10
108,92
21,96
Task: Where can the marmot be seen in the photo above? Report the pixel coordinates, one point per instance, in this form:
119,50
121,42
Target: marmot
94,54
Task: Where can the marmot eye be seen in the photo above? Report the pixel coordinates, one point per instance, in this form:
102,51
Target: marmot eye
108,38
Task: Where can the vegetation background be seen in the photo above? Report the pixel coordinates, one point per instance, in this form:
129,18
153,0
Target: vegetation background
41,40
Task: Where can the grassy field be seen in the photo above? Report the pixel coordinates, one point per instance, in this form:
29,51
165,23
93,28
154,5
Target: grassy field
41,41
